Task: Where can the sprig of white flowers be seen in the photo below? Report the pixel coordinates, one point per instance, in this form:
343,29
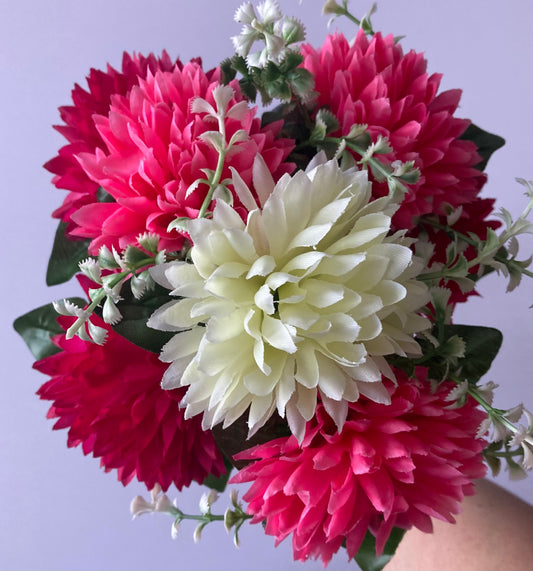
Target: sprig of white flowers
218,187
502,428
496,252
233,517
110,271
279,33
335,9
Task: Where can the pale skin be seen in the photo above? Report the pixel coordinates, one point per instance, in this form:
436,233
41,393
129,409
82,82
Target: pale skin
494,532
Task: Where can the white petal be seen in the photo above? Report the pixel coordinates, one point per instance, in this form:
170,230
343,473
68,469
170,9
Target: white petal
307,371
332,379
263,182
338,410
226,216
306,401
278,335
242,191
263,266
310,236
265,300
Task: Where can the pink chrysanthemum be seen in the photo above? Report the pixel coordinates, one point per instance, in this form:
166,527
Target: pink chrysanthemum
373,82
80,131
109,397
392,465
153,154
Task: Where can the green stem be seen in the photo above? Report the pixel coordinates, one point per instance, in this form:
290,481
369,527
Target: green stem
218,172
101,294
207,518
216,179
492,412
469,241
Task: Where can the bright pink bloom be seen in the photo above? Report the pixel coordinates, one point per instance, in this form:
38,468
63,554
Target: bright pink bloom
80,131
373,82
109,397
392,465
153,154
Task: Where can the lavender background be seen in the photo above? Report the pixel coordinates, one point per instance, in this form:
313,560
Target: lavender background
58,510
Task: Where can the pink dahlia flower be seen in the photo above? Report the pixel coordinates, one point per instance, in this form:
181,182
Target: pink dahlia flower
109,397
373,82
153,153
80,130
392,465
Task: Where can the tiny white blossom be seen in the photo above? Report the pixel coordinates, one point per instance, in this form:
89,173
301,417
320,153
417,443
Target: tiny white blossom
527,461
91,268
487,391
197,535
175,529
207,500
268,26
163,504
140,506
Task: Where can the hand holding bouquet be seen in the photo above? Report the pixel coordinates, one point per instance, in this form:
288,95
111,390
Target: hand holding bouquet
268,296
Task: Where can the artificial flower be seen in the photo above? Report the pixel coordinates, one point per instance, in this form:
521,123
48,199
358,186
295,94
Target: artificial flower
268,25
399,465
154,156
372,82
303,300
109,398
81,132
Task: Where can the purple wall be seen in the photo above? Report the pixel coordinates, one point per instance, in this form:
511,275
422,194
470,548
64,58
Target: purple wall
58,510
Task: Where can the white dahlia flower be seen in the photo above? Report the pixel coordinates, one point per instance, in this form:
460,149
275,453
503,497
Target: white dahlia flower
302,301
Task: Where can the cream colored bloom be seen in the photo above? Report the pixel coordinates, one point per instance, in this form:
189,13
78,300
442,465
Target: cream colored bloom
302,301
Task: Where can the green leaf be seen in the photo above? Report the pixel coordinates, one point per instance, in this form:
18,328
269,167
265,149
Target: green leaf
65,257
104,196
135,314
366,557
486,143
39,326
482,346
219,483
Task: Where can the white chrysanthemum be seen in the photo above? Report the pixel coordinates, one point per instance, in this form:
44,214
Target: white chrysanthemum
303,300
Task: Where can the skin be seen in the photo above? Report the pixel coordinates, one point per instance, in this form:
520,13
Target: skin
493,533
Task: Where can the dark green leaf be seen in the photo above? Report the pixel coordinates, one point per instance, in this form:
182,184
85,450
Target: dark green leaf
219,483
39,326
65,257
482,346
103,196
366,557
486,143
292,61
135,313
239,65
228,71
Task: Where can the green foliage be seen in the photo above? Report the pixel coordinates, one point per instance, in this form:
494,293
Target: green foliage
487,143
274,81
481,347
462,352
135,314
65,257
219,483
366,557
39,326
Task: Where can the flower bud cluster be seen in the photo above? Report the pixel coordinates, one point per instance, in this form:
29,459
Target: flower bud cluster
233,518
267,25
109,272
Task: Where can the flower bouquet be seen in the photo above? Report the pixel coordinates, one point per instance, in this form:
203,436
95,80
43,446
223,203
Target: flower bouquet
268,293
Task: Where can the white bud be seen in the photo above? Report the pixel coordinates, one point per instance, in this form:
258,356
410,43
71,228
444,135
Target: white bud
175,529
140,506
